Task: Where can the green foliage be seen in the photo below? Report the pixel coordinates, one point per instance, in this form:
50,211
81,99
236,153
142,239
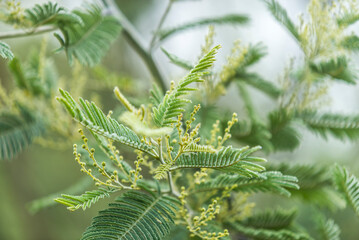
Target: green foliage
177,61
340,126
91,117
89,42
329,230
172,105
266,234
348,186
5,51
48,201
336,68
156,95
270,181
84,200
281,15
51,13
37,76
274,219
348,19
226,159
284,135
259,83
135,215
17,131
315,184
233,19
351,43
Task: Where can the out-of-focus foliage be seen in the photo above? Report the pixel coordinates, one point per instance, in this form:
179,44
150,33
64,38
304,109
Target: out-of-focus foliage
179,168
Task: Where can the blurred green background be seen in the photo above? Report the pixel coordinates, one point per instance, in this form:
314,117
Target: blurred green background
39,171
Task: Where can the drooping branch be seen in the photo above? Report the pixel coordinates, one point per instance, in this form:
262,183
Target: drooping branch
134,38
24,33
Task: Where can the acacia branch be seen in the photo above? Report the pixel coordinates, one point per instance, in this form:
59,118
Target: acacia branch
24,33
133,37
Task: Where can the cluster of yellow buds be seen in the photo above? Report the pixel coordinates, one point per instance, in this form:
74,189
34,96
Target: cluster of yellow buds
206,215
14,13
200,176
136,173
227,134
112,178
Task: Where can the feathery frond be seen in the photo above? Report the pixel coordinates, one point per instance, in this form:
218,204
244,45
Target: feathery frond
336,68
284,135
89,42
135,216
339,126
193,147
92,117
266,234
172,105
177,61
348,186
281,15
227,159
351,43
271,181
84,200
254,54
315,184
329,230
271,219
5,51
348,19
259,83
18,131
51,13
156,95
233,19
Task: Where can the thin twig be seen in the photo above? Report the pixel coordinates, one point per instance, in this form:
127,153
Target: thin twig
24,33
162,20
133,37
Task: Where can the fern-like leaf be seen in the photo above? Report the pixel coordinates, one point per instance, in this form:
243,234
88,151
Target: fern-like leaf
271,219
92,117
156,95
5,51
17,132
271,181
329,230
89,42
85,200
336,68
259,83
51,13
233,19
348,185
351,43
281,15
315,184
134,216
267,234
193,147
340,126
177,61
172,104
227,159
348,19
284,135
